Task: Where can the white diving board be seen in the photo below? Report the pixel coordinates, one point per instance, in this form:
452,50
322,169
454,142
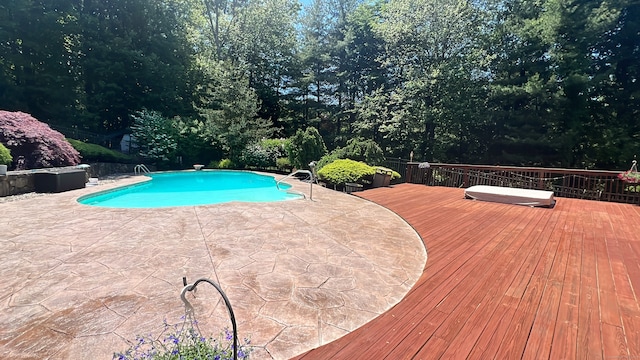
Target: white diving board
509,195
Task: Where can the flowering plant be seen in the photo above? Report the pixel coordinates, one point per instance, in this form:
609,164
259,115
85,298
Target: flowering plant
632,175
183,344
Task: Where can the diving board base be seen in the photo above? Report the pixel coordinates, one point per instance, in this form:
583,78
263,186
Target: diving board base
507,195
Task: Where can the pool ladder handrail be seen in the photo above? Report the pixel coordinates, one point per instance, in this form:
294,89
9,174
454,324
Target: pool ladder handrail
140,169
311,178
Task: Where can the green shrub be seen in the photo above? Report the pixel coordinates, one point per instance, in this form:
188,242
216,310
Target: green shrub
263,154
5,156
328,159
155,135
358,149
275,147
304,147
344,171
222,164
283,164
97,153
194,144
365,150
255,155
225,164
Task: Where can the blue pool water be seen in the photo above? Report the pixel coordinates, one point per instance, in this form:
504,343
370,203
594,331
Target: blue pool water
188,188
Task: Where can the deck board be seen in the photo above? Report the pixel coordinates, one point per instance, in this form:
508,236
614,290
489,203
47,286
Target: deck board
589,337
509,282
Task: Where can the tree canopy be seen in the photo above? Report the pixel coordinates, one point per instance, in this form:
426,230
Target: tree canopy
511,82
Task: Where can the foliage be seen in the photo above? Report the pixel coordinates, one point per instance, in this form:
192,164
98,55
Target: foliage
91,66
93,152
632,177
431,53
359,149
222,164
226,164
263,154
154,135
283,164
265,44
255,155
194,142
344,171
35,141
306,146
183,344
229,110
365,150
394,174
5,156
561,68
328,159
546,82
276,147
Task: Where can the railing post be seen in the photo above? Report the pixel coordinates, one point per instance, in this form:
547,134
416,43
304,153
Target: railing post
465,178
541,176
409,176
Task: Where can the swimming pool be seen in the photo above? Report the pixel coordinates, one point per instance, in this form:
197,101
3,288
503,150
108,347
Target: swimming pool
189,188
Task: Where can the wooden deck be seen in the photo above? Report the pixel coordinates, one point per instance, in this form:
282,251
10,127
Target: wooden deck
509,282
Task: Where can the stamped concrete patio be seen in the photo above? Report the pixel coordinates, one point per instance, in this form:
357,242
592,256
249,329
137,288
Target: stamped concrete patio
81,281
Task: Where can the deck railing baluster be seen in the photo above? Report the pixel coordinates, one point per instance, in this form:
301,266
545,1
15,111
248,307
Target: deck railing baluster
573,183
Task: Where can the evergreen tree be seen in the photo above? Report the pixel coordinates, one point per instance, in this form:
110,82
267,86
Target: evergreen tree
39,58
231,112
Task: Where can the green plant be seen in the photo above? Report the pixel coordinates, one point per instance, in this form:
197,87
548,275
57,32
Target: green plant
194,142
94,152
328,159
394,174
365,150
359,149
344,171
283,164
264,154
631,176
276,147
304,147
222,164
183,344
5,155
155,136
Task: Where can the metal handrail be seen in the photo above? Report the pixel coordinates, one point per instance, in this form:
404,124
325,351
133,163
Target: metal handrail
140,168
189,307
311,177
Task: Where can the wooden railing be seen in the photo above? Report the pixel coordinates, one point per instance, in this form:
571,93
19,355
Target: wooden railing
398,165
571,183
